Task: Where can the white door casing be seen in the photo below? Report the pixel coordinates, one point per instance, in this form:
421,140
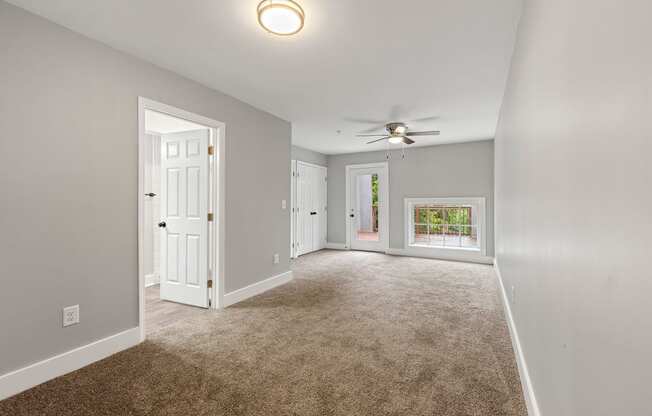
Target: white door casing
184,210
152,207
353,208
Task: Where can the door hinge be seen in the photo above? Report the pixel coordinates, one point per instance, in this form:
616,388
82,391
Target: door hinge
210,217
209,283
211,150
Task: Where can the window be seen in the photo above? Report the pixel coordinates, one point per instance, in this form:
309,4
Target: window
445,223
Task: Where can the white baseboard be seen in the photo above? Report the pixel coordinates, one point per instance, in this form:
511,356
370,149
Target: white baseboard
526,382
152,279
455,255
27,377
256,289
336,246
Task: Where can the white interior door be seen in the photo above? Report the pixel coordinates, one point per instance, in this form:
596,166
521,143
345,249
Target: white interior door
184,217
304,205
319,208
367,208
311,208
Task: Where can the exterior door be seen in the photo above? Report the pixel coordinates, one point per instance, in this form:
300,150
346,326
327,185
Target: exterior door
184,217
367,208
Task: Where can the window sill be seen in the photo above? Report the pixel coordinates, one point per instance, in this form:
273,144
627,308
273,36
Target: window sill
427,247
449,253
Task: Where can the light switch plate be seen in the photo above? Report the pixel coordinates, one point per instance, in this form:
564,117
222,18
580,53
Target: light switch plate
71,315
284,204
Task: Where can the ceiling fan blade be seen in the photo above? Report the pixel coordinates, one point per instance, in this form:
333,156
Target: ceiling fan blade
424,119
363,120
407,140
371,135
423,133
378,127
377,140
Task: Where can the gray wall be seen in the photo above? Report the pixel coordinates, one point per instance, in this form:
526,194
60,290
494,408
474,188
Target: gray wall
573,197
305,155
450,170
68,160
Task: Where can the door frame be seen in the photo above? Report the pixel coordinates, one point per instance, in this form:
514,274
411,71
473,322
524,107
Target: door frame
384,194
217,180
294,170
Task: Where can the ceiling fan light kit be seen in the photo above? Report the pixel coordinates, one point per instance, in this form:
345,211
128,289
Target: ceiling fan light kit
398,133
281,17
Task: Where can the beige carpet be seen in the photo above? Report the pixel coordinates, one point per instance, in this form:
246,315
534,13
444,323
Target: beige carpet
354,334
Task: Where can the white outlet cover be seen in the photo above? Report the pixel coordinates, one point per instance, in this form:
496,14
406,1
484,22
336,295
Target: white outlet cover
71,315
276,259
284,204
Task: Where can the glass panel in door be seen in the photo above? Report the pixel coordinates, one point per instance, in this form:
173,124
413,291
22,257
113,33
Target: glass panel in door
367,208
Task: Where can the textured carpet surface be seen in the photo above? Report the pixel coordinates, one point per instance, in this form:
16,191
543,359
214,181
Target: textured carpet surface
354,334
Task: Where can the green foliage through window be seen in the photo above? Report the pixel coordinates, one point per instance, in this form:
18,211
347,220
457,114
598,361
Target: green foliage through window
437,219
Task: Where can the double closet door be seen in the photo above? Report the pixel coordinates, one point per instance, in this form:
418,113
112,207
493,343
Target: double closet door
309,208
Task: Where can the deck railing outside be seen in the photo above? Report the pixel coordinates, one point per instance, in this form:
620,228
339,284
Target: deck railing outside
446,235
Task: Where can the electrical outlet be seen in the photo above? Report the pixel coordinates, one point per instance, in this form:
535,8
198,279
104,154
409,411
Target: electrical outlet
284,204
276,259
71,315
513,295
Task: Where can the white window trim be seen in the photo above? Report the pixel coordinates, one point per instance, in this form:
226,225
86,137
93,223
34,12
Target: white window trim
419,249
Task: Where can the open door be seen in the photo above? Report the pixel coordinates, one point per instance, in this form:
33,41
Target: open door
184,217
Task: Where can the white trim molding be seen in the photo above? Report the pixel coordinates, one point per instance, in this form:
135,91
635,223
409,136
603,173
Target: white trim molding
526,381
27,377
217,238
336,246
152,279
479,202
439,254
247,292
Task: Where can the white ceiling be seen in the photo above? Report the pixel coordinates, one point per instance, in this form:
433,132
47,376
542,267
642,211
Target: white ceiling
373,59
165,124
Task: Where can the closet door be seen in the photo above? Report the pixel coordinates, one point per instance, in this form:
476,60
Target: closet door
304,205
311,207
319,208
314,208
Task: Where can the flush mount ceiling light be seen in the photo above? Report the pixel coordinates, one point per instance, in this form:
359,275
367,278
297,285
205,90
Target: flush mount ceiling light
281,17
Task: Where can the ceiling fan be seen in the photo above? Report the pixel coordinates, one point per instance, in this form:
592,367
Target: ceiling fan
398,132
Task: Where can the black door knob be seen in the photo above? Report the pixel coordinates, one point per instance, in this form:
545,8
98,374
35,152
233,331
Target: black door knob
313,213
351,215
151,194
162,224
